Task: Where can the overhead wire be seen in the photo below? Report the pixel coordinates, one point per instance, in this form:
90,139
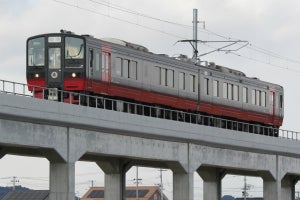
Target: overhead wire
119,19
251,46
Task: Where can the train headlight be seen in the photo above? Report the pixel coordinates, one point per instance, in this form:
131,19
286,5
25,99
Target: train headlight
74,75
36,75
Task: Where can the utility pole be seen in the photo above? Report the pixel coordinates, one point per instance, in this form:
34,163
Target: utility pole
195,34
14,181
161,187
92,183
245,188
137,179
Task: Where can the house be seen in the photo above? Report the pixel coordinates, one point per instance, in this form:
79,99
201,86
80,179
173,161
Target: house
26,195
144,192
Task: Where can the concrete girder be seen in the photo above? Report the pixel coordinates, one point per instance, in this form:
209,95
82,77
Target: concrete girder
232,160
92,144
34,139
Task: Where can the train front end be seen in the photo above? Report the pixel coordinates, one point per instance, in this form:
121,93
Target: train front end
56,62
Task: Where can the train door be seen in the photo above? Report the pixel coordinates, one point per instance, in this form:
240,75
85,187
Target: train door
90,68
106,65
54,75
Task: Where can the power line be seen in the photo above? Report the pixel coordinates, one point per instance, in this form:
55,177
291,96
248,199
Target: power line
251,46
123,9
119,19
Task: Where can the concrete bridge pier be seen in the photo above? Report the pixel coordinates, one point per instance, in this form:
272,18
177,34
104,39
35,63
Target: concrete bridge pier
212,182
281,189
288,184
183,186
115,177
62,181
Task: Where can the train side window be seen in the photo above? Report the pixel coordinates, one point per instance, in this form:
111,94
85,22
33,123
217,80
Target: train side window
206,86
170,78
181,80
97,64
281,101
245,95
263,99
192,83
125,68
157,75
235,92
133,70
225,90
216,88
253,97
163,76
230,89
118,65
91,57
258,98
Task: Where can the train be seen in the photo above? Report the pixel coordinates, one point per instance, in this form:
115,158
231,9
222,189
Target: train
122,70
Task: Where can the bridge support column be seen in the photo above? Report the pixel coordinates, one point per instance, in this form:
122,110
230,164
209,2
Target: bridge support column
272,190
183,186
281,189
115,178
62,181
212,182
288,184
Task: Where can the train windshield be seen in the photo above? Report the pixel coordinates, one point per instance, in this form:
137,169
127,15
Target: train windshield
74,48
36,52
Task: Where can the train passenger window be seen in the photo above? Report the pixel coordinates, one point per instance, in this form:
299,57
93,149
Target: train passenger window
235,92
216,88
230,87
133,70
163,76
125,68
225,94
170,78
245,95
206,86
118,65
192,83
263,99
91,57
107,62
258,98
181,80
281,101
97,64
253,97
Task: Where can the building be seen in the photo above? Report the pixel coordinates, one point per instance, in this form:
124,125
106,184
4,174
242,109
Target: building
26,195
144,192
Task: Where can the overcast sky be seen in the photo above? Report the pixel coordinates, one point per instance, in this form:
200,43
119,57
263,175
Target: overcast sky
271,27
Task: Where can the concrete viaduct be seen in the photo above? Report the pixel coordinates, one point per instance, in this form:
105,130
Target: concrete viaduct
116,141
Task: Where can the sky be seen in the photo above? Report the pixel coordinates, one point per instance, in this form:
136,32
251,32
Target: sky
270,26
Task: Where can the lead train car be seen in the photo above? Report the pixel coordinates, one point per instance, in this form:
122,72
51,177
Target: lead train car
128,71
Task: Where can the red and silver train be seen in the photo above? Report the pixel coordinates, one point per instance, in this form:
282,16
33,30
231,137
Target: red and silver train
122,70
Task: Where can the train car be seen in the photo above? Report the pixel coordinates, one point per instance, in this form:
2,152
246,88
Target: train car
127,71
